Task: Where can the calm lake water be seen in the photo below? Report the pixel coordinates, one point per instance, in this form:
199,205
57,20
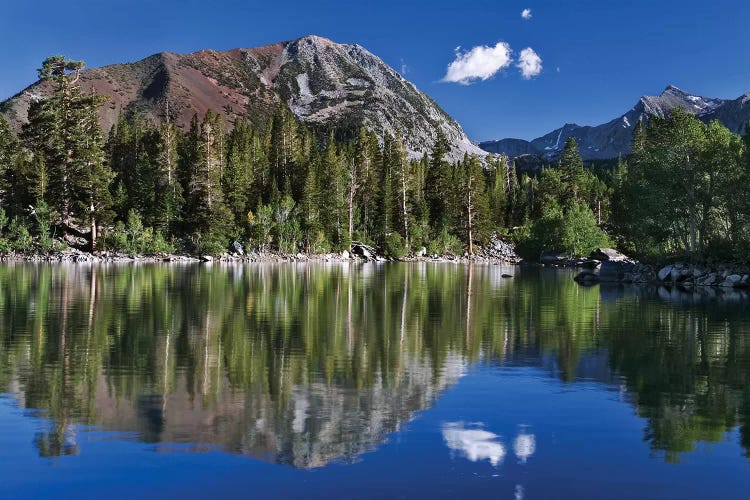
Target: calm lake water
338,381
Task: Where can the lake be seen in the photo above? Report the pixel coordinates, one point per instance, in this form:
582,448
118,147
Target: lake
367,380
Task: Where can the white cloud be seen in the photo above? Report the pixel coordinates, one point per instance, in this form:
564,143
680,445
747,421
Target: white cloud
529,63
404,68
526,14
480,63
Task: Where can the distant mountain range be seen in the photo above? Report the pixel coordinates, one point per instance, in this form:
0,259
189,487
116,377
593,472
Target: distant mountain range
323,83
613,138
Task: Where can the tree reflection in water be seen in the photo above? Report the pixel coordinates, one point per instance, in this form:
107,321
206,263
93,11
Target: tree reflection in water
308,364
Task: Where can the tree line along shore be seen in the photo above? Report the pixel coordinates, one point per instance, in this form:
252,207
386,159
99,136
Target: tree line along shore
289,188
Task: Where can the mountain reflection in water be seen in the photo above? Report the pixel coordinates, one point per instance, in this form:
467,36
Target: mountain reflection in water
311,364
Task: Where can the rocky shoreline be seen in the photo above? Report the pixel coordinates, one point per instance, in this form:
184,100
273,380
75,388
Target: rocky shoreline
497,252
683,275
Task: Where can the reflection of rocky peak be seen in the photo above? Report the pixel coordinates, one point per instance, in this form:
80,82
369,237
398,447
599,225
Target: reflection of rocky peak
320,422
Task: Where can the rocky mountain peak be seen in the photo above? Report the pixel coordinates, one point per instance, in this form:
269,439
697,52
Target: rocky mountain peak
324,84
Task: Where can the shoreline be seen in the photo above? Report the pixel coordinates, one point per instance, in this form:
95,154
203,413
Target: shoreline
76,256
682,275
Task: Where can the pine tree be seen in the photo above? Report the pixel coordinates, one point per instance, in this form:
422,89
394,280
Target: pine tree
285,147
498,193
438,184
239,172
208,217
474,201
333,188
168,188
385,200
65,130
571,166
91,175
8,157
312,226
401,179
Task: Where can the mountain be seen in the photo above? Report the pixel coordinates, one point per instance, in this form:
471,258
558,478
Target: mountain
613,138
323,83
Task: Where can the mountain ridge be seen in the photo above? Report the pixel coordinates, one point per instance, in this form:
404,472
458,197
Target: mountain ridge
612,139
323,83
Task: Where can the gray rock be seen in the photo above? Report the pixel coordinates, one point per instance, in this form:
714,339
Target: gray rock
587,277
206,258
664,273
614,271
608,254
345,255
732,280
551,258
421,252
237,247
591,264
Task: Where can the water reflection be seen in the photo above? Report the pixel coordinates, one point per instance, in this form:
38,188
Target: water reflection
475,444
524,446
304,365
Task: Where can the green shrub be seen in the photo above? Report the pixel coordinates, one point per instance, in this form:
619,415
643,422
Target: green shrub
319,244
19,235
136,239
44,217
394,246
289,236
445,244
573,233
208,244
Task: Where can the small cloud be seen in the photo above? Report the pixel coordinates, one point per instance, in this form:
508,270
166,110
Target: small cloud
526,14
558,69
529,63
480,63
404,68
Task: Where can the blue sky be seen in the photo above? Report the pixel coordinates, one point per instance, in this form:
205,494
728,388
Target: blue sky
597,56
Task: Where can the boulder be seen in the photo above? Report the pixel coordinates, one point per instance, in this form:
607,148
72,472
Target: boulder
732,280
675,275
614,271
237,248
610,254
551,258
587,277
710,279
664,273
75,241
365,251
421,252
206,258
345,255
590,264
